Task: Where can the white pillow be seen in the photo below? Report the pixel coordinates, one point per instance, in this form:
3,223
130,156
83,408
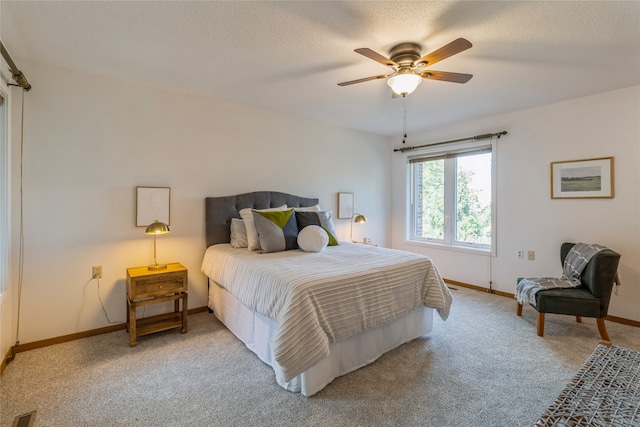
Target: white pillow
314,208
313,238
238,234
252,234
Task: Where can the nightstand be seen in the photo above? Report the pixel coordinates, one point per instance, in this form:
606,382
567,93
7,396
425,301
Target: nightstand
145,287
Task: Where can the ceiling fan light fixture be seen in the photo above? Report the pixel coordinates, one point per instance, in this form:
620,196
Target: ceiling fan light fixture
405,82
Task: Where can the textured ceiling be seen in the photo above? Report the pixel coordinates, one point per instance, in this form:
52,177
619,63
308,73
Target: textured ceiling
289,56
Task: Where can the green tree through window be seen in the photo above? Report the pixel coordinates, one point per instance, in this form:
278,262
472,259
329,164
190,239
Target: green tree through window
431,213
473,213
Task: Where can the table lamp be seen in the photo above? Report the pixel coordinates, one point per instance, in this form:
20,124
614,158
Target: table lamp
356,217
156,228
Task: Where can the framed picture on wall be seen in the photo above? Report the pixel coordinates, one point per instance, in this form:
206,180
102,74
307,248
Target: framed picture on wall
582,179
345,205
152,203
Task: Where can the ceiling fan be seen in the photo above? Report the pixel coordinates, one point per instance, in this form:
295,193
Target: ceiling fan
408,66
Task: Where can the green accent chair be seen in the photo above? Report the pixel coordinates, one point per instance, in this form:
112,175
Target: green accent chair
591,299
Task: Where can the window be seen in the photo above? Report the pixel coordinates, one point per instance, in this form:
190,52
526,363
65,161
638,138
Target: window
452,197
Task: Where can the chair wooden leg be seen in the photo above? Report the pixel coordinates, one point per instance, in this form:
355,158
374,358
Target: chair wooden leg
519,309
540,324
578,319
602,329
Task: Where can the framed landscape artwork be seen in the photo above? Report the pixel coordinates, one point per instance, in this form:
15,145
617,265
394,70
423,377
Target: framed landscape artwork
582,179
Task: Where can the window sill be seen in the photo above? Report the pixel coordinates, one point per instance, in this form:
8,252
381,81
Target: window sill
453,248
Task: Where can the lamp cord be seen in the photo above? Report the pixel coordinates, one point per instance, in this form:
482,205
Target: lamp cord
103,307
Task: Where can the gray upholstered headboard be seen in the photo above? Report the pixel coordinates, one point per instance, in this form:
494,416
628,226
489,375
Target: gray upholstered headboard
220,210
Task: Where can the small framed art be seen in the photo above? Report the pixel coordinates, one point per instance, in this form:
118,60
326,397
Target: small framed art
582,179
345,205
152,203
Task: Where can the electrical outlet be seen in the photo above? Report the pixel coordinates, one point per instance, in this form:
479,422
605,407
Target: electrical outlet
96,272
519,254
531,255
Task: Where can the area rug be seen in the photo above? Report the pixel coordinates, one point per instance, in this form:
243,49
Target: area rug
604,392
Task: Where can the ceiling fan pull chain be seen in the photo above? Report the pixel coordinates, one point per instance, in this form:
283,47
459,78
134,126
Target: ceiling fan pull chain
404,118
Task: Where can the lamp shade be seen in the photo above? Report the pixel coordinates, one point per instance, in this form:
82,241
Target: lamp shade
360,218
157,227
405,82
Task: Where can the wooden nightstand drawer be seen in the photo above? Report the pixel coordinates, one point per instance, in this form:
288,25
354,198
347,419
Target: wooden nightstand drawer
158,284
145,283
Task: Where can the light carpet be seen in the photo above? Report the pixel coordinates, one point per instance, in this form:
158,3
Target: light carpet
484,366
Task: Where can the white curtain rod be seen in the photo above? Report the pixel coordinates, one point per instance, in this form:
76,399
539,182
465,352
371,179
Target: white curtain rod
471,138
17,75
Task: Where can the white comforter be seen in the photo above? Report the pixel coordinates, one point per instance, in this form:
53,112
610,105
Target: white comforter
318,298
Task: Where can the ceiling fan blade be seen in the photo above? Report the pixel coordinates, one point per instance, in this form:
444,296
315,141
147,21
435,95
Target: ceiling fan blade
366,79
446,51
446,76
376,57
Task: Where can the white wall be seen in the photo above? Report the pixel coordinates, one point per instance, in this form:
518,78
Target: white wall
602,125
89,141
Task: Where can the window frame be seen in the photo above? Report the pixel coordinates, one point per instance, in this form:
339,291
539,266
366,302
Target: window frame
5,236
448,242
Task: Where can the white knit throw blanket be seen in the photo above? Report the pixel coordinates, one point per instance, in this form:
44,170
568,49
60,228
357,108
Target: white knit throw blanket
574,264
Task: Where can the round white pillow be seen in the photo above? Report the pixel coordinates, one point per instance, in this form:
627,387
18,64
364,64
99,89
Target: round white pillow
312,238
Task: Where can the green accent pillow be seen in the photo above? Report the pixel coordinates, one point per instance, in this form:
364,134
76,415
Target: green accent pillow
321,219
277,231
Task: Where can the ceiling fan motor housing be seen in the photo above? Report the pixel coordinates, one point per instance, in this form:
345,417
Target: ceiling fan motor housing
405,54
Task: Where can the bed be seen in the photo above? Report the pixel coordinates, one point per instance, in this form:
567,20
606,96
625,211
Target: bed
314,316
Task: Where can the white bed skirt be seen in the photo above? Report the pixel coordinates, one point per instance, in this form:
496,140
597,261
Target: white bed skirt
257,332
